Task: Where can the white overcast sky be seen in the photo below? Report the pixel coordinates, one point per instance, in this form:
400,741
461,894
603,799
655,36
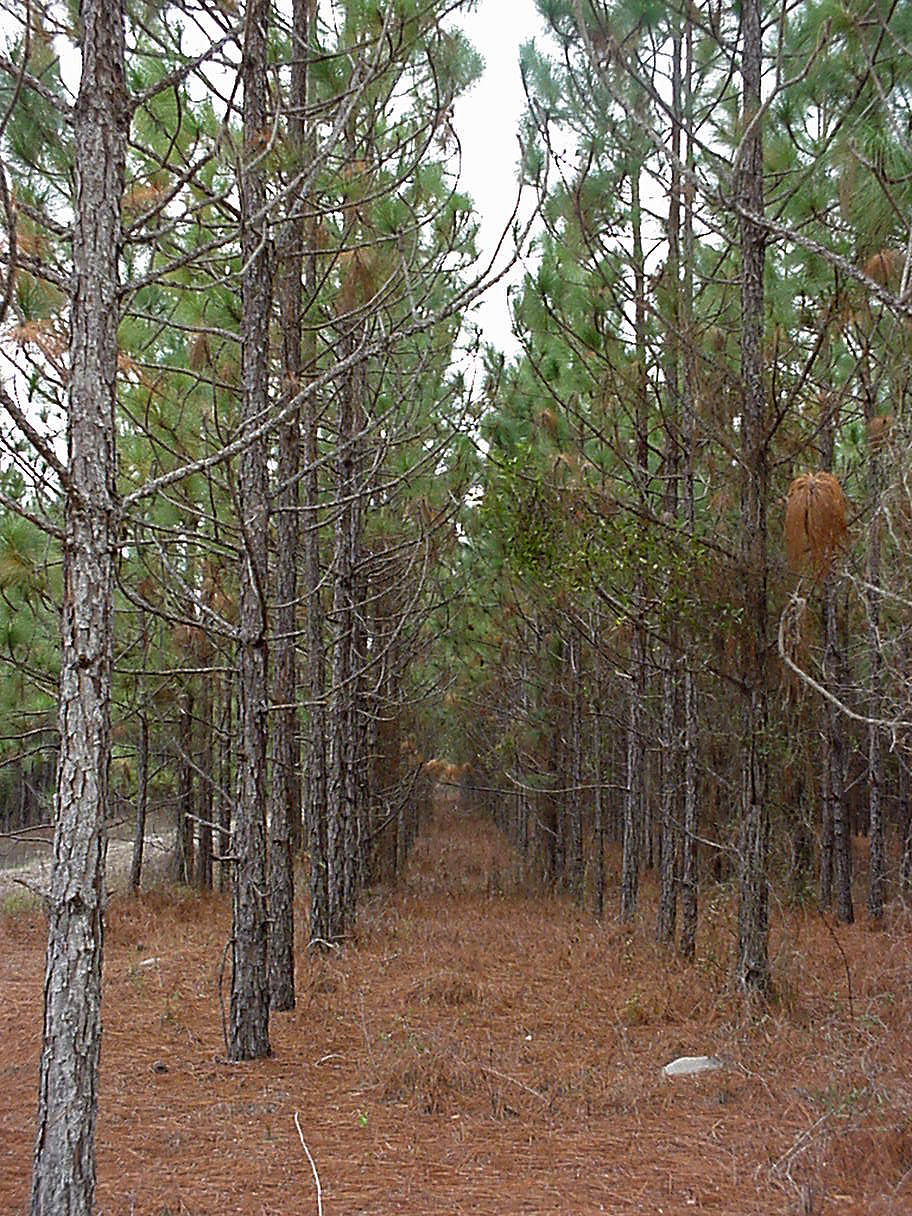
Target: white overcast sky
487,122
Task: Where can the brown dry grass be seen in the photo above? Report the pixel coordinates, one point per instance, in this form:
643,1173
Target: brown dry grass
477,1050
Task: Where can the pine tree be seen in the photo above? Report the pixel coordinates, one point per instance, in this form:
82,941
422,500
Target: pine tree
63,1179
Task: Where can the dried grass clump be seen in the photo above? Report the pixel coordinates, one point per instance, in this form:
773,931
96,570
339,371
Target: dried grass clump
815,522
448,991
431,1083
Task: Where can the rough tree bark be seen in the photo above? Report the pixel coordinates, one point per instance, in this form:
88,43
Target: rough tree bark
598,829
63,1179
285,809
185,814
249,1009
142,801
634,800
575,870
207,799
877,857
340,718
689,857
835,852
753,890
671,743
315,809
225,801
835,766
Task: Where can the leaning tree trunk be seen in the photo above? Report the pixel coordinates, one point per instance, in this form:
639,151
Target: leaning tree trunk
249,1010
63,1180
753,890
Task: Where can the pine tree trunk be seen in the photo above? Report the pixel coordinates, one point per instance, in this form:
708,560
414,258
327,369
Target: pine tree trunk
836,765
575,809
63,1179
339,723
598,824
225,783
689,855
185,821
835,856
753,890
633,794
284,802
142,801
670,755
315,793
905,865
877,859
249,1007
668,849
635,809
207,782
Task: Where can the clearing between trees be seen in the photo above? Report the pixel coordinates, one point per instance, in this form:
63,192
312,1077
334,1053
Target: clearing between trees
479,1047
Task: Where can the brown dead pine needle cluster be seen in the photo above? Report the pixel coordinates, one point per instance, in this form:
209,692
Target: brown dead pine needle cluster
815,522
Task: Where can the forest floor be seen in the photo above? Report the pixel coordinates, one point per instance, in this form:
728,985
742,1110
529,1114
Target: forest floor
477,1049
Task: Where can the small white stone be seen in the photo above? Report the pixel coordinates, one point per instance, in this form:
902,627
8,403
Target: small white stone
686,1066
149,962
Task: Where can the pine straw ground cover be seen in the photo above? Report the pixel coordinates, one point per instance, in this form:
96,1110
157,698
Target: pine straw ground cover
476,1050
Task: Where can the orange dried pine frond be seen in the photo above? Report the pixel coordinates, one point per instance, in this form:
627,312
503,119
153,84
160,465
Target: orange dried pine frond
815,521
879,428
885,267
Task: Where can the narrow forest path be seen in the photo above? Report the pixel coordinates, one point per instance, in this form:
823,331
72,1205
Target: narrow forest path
474,1048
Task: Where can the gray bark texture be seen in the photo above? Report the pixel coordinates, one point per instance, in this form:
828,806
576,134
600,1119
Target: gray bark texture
285,802
839,844
315,806
63,1179
249,1012
877,857
753,892
689,858
341,696
142,798
633,796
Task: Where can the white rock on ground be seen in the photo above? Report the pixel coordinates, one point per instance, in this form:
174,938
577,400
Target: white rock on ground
687,1066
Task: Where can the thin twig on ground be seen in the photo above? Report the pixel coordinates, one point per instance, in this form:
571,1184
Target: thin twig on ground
312,1165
